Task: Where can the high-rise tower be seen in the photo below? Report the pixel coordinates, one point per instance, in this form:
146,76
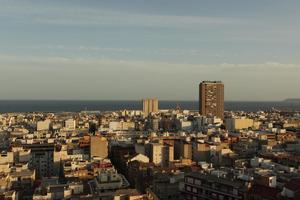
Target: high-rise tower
150,106
211,98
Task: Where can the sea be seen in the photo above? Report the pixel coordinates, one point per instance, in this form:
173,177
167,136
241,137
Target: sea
8,106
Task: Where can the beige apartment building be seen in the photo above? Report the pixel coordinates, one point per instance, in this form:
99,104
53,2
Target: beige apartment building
98,147
234,124
150,106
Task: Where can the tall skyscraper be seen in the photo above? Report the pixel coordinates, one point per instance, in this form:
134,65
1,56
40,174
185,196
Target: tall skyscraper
211,98
150,106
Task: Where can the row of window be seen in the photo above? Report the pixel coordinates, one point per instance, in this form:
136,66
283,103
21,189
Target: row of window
208,196
193,181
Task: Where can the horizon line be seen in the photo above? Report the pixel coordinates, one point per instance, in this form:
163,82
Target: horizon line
171,100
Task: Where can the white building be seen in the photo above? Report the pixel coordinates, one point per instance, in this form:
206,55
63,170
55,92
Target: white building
70,124
121,126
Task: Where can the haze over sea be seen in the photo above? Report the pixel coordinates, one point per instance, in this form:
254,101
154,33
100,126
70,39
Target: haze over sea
79,105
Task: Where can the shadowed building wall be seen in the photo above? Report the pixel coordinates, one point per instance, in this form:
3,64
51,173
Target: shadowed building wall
211,98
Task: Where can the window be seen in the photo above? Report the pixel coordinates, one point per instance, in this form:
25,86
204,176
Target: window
195,190
190,180
197,182
188,188
235,191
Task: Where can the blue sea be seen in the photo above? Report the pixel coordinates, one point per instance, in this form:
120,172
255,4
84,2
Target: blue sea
76,106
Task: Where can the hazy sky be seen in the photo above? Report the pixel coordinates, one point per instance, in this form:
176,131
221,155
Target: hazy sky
130,49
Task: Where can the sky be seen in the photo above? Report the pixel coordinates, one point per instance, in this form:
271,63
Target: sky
133,49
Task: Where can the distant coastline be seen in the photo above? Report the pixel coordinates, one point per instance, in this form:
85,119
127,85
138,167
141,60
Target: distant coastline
297,100
7,106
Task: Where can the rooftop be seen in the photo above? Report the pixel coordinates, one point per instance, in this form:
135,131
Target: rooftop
213,178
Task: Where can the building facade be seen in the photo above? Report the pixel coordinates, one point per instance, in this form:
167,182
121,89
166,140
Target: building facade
42,159
98,147
207,186
211,98
150,106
